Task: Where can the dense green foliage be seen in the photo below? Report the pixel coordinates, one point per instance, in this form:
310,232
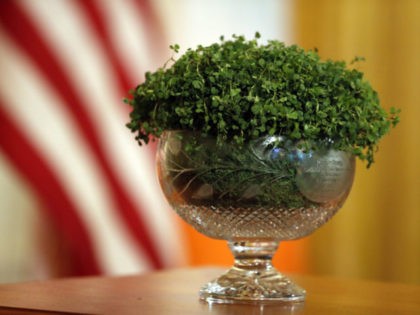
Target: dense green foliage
239,90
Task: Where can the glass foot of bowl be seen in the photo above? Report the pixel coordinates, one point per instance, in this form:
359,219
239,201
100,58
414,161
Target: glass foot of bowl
252,279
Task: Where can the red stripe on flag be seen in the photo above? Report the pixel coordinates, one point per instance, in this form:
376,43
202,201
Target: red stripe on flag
96,19
27,36
56,202
153,25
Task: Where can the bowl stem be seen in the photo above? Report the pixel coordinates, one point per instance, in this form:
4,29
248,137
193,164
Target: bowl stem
252,279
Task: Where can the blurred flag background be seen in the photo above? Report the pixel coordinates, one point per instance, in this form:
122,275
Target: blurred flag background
78,196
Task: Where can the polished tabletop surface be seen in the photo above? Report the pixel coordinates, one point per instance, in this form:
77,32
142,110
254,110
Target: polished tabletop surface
176,292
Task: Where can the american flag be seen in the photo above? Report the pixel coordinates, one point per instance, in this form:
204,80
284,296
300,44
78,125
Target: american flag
65,68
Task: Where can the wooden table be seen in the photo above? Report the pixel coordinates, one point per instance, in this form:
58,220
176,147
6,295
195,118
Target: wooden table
175,292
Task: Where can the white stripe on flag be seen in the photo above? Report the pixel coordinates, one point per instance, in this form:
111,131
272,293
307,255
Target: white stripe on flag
128,34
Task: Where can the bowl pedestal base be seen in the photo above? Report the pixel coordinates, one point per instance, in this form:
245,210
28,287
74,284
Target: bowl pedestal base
252,279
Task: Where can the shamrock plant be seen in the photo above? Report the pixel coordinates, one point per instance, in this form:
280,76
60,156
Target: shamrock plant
238,90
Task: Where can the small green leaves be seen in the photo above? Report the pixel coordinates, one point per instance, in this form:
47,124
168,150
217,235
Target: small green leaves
238,89
357,59
197,84
174,47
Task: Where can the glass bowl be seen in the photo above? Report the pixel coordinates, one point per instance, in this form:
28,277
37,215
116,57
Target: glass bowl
253,196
